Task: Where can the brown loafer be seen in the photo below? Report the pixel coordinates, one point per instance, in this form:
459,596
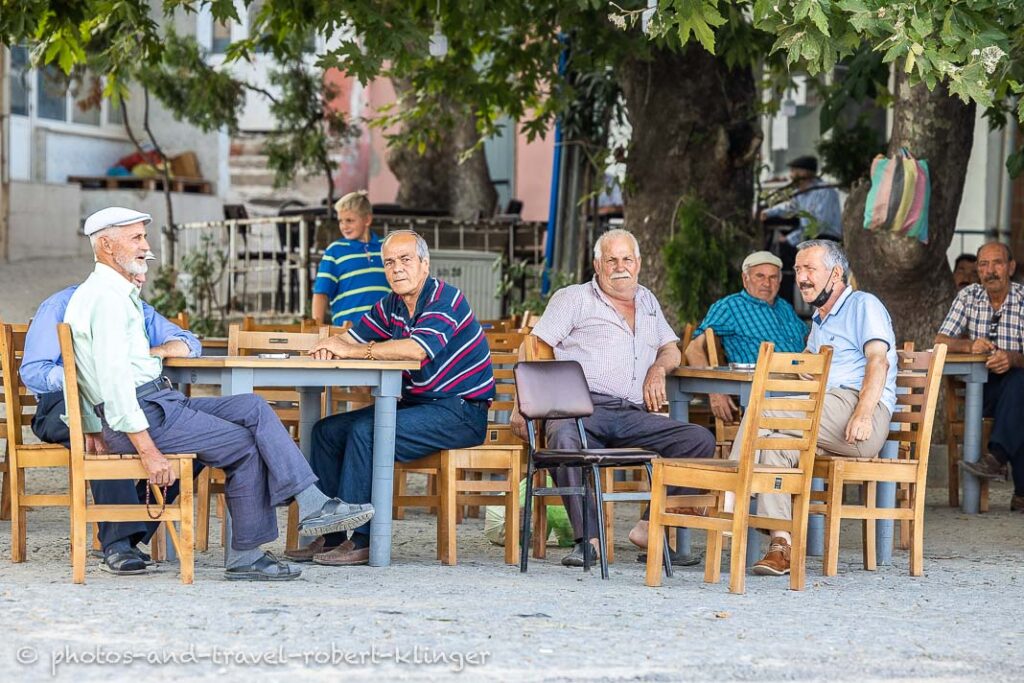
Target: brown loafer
1017,504
318,546
345,555
776,562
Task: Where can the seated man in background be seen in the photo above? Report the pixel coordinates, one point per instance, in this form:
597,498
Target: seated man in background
42,371
745,319
127,407
615,329
965,271
444,403
989,318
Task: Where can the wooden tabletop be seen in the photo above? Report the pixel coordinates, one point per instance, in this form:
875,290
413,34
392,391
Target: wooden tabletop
966,357
293,363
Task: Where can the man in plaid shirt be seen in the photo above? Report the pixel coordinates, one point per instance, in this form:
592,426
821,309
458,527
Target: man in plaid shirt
989,318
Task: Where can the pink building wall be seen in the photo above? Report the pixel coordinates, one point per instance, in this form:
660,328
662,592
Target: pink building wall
364,163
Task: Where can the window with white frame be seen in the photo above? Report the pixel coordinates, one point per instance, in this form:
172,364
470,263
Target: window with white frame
48,94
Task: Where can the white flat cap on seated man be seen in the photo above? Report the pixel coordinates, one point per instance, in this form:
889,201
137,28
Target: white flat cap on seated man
114,217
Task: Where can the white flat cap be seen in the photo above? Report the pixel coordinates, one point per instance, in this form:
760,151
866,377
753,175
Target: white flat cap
113,217
759,258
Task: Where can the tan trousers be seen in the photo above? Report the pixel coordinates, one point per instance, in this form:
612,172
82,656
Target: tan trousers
835,415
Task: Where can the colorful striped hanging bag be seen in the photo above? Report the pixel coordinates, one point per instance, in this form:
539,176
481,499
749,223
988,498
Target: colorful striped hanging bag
900,194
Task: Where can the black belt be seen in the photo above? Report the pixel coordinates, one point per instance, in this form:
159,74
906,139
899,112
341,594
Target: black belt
158,384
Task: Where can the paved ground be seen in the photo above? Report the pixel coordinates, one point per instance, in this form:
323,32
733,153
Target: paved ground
961,621
420,621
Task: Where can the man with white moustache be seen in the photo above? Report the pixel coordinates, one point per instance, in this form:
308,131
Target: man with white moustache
614,327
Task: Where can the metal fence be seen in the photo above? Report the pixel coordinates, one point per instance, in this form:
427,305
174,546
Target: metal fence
264,267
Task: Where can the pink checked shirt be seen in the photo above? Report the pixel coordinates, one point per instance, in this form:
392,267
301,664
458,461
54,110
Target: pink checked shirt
581,324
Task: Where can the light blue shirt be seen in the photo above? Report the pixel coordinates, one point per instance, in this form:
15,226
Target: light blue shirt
42,369
856,319
818,210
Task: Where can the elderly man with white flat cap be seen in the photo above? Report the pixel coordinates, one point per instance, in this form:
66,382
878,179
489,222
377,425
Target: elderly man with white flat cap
743,320
129,407
43,373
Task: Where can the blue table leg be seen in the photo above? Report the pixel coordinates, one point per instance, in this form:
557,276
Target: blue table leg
384,419
816,525
972,445
885,497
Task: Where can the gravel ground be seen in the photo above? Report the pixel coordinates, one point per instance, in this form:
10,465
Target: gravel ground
482,620
958,622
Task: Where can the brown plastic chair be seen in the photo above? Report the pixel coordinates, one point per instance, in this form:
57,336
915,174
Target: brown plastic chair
551,390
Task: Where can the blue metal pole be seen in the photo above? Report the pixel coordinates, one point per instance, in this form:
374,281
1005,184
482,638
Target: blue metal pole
556,181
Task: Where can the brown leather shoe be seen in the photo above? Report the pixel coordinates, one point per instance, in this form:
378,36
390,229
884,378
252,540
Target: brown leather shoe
319,545
1017,504
776,562
345,555
988,467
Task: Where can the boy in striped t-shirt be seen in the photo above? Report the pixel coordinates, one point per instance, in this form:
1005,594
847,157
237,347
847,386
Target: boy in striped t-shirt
350,279
444,402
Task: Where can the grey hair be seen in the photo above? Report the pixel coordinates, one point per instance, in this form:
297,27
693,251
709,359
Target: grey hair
616,233
95,237
421,244
834,254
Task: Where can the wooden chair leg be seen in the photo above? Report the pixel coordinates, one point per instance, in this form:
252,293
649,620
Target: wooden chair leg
608,485
78,530
917,541
903,526
473,511
186,553
983,499
798,546
203,511
738,551
656,530
432,491
19,536
870,558
5,496
157,544
446,520
512,511
96,545
292,534
401,489
833,519
953,469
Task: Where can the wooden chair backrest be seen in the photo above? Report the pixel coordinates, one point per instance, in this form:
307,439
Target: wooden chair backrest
529,321
181,320
14,395
73,405
504,355
685,338
725,433
917,394
499,325
538,349
249,343
249,324
794,382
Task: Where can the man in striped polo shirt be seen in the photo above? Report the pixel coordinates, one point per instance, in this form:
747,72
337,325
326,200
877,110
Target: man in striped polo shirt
444,404
615,329
350,279
745,319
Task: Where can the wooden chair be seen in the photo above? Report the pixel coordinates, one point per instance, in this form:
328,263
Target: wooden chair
804,374
86,467
285,404
954,437
917,395
249,324
181,320
502,452
22,457
725,432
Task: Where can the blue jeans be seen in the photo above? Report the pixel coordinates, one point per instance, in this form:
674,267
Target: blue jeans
342,448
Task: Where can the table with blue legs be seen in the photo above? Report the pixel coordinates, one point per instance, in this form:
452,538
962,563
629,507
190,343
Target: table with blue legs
238,375
685,383
970,367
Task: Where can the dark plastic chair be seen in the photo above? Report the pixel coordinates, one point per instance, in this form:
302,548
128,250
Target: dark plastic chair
556,390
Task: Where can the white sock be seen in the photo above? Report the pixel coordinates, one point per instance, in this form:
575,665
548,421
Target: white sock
310,501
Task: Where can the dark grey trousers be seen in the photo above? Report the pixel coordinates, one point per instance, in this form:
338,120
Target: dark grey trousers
617,423
242,436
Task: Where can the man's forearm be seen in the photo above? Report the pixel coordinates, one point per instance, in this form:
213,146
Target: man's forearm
668,357
175,348
696,354
871,390
143,443
398,349
953,344
320,308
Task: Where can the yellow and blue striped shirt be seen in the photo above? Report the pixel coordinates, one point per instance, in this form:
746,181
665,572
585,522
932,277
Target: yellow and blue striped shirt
351,276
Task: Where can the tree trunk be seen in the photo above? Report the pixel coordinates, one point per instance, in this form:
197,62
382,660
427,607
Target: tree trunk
695,133
435,179
913,280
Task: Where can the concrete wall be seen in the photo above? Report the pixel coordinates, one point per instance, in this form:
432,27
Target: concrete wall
45,221
534,167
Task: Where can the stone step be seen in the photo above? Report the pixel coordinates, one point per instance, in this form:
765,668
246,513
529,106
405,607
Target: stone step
255,177
247,161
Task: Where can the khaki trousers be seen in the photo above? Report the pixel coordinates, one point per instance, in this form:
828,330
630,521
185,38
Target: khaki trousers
835,415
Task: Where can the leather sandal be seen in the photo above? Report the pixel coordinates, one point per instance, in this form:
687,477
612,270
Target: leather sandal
267,568
123,564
